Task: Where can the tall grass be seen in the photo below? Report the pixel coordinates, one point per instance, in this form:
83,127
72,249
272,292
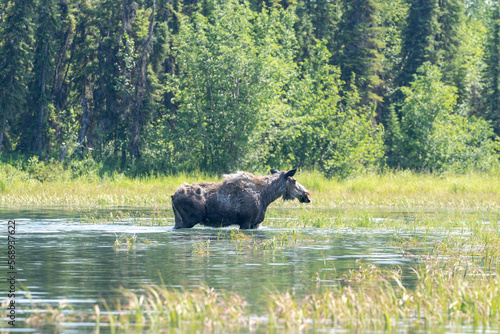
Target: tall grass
391,190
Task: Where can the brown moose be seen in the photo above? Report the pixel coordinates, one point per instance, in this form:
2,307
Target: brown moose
242,199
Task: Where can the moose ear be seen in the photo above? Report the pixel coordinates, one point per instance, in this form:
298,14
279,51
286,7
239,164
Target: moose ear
291,173
274,171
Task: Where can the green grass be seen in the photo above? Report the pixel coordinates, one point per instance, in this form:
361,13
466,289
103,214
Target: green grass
35,185
124,241
392,191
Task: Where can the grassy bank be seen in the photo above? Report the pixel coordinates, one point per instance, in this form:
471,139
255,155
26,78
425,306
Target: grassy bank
391,190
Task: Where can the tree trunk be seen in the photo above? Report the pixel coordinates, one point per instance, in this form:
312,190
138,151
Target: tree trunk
129,12
41,113
137,105
2,129
85,122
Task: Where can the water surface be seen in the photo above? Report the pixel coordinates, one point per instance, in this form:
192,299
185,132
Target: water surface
58,258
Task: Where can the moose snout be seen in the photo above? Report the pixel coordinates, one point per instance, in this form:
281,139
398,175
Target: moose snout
306,198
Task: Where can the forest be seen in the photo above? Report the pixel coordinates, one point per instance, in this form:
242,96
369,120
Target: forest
344,87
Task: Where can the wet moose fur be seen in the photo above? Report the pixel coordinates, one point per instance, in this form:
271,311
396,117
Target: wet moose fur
242,199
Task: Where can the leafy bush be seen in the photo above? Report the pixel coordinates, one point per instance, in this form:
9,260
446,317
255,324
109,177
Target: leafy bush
327,129
433,136
232,63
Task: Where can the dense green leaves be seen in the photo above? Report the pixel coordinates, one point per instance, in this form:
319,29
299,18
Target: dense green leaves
433,136
231,68
361,40
328,130
160,86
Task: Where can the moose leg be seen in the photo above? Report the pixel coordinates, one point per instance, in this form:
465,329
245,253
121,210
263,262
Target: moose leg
245,226
184,219
246,223
244,220
178,218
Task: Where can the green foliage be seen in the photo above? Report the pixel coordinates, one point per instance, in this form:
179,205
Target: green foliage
326,128
126,61
16,56
232,66
166,86
433,136
361,40
474,66
419,43
316,20
492,72
462,144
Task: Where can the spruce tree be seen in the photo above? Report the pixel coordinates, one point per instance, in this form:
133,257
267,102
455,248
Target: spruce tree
361,40
448,42
419,42
316,20
15,60
492,73
433,34
43,72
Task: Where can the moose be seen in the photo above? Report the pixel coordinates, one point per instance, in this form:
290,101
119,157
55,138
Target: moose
241,199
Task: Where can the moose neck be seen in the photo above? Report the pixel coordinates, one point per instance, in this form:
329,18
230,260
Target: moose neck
273,189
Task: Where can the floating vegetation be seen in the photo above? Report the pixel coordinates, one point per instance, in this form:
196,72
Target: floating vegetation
201,248
155,218
250,241
127,242
53,315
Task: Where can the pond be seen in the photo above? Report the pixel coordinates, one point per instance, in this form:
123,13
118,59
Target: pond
59,258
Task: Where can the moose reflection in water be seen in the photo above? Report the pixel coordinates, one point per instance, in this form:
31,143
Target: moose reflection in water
242,199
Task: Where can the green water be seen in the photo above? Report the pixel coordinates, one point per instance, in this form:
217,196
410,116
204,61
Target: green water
60,259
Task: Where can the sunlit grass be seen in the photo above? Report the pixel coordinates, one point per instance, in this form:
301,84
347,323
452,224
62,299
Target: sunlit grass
390,190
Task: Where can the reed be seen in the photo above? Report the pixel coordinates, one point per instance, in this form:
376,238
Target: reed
159,308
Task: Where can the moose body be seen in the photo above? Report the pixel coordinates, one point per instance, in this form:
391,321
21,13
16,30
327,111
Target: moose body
242,199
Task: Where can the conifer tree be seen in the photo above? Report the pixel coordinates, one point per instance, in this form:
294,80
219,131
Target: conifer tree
492,74
44,63
316,21
433,34
15,61
360,42
448,41
419,42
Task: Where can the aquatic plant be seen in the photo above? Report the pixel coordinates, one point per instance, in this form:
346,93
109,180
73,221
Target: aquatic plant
158,308
125,241
201,248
